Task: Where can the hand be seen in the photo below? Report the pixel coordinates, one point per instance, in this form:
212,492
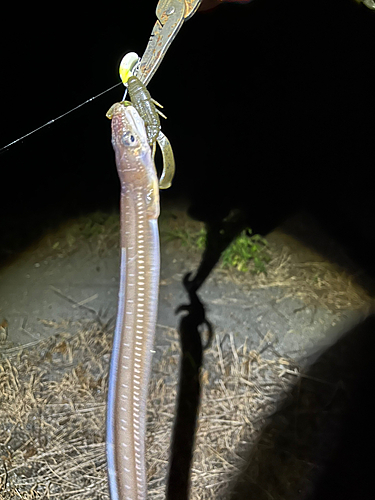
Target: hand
211,4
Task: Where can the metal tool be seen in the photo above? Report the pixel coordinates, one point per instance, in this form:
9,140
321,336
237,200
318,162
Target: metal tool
369,4
171,15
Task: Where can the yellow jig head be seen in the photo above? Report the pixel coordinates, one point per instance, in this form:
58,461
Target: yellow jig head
128,67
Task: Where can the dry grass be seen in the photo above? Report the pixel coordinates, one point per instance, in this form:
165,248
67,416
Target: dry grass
315,281
53,395
52,415
318,283
98,231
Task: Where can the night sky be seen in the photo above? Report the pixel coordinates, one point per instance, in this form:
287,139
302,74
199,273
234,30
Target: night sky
270,107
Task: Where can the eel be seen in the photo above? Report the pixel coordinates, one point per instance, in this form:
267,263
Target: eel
137,305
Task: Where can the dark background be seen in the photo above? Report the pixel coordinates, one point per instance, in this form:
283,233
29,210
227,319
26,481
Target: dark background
270,109
270,106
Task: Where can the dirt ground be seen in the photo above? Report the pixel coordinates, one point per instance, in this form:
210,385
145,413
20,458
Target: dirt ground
277,380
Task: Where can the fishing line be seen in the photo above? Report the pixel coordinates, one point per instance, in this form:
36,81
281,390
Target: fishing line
4,148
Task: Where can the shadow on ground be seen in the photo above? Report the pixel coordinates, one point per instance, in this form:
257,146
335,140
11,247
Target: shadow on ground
319,443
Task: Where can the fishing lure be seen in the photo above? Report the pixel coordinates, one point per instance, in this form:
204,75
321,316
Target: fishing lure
146,107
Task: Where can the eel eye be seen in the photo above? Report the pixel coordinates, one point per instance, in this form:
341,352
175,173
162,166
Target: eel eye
128,139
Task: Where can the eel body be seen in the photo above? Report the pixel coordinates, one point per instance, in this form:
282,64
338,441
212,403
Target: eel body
137,305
